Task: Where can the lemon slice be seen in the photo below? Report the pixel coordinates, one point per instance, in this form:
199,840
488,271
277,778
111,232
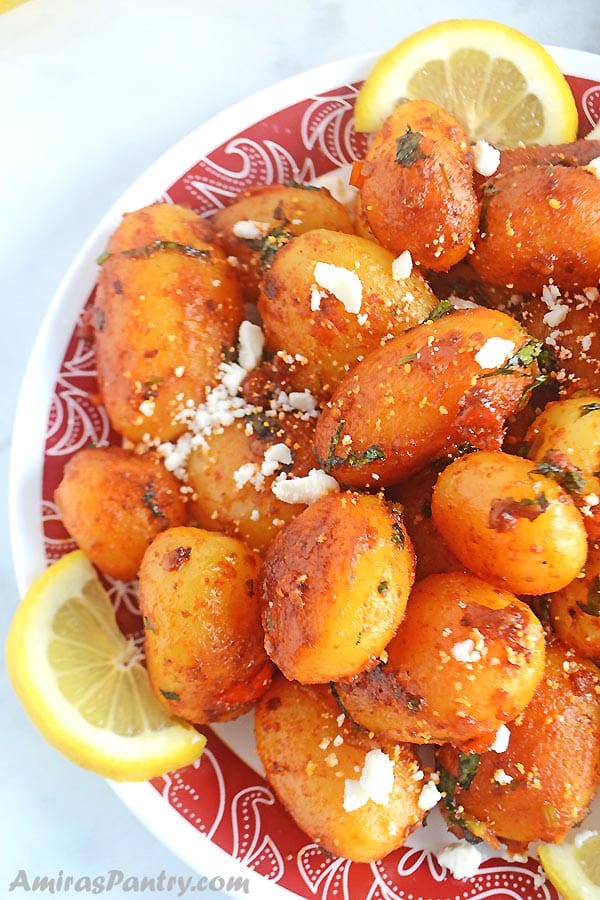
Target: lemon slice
500,84
84,684
574,866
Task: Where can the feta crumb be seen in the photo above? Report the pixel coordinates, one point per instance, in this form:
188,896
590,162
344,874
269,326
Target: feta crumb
251,342
462,859
306,489
255,515
179,371
429,796
375,783
460,303
557,312
464,651
345,285
501,740
402,266
594,166
303,401
250,229
502,777
147,407
355,795
486,158
494,353
315,299
275,456
248,474
586,342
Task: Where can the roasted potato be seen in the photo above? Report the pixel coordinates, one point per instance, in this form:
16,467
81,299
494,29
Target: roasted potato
423,394
466,659
167,306
114,502
203,638
541,785
509,523
540,226
233,476
416,185
333,587
262,219
332,298
313,758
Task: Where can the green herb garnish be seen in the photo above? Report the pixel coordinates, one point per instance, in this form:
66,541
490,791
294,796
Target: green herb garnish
159,246
408,150
149,501
169,695
592,605
566,475
443,307
589,408
271,243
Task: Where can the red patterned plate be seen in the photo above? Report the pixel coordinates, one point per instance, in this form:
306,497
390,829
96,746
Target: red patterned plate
220,815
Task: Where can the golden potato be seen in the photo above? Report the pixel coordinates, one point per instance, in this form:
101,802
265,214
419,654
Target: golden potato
508,523
204,642
575,610
466,659
114,502
233,490
564,440
310,758
423,394
269,215
332,298
416,185
540,226
334,586
542,784
167,306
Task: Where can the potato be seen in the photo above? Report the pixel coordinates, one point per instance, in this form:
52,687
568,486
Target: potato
167,306
273,213
508,523
332,316
542,784
204,642
575,610
540,226
423,394
309,757
113,503
466,659
223,500
565,442
416,185
576,153
334,586
414,495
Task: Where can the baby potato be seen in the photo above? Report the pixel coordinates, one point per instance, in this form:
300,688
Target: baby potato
466,659
540,226
423,394
575,610
414,495
262,219
334,586
416,185
542,784
167,305
565,442
232,477
508,523
204,643
313,763
333,297
114,502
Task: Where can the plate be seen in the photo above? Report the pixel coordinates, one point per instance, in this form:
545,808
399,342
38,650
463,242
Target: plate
220,815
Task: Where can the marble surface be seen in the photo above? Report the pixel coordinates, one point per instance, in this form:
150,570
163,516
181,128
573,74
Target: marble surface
92,93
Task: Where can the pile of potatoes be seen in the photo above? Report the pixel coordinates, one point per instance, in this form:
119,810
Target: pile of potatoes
389,540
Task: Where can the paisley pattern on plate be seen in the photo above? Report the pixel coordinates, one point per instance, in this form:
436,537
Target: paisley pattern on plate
221,796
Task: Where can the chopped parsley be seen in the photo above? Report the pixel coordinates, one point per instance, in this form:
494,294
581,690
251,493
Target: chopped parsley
408,149
169,695
271,243
159,246
298,184
149,501
555,465
382,587
354,458
505,512
443,307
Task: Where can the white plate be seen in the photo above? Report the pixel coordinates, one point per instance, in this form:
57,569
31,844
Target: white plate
299,128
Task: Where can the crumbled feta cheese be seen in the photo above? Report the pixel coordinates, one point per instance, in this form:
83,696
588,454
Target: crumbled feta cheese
464,651
494,353
486,158
429,796
250,229
315,299
402,266
375,783
275,456
147,407
248,474
462,859
459,303
557,312
303,401
251,342
586,342
501,740
306,489
232,376
502,777
179,371
594,166
345,285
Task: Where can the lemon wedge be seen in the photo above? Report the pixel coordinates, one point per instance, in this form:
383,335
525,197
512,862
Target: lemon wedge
83,683
574,866
500,84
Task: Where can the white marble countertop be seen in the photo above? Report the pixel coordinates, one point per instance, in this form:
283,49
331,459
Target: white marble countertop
91,94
